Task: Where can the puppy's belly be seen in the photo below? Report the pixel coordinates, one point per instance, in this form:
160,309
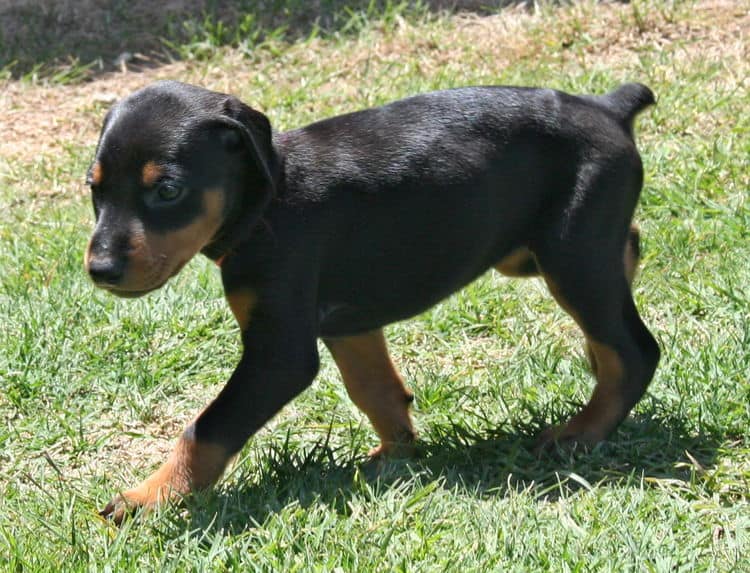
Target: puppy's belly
343,319
382,304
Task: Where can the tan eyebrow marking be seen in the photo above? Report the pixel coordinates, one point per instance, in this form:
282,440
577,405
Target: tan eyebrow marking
151,173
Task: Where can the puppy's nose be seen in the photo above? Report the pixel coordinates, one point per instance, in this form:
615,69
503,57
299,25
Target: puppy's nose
106,270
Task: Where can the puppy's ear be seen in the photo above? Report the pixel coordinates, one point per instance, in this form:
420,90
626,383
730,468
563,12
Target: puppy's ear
250,130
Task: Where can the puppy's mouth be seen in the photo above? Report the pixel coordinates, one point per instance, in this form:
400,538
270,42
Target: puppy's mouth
130,293
135,293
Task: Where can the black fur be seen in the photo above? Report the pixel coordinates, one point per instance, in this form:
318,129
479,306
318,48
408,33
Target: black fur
371,217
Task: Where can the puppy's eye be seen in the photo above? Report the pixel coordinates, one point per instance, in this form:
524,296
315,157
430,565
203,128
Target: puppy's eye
169,192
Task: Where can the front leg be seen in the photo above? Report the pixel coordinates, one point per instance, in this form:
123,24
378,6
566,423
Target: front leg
192,465
376,388
279,361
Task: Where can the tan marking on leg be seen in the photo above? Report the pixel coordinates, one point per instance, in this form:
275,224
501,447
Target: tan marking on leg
631,257
191,466
560,299
519,263
242,302
150,173
632,254
605,408
376,388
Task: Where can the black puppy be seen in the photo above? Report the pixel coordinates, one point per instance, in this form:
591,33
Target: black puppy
336,229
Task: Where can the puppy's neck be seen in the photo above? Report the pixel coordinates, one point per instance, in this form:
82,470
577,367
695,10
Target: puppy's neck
238,228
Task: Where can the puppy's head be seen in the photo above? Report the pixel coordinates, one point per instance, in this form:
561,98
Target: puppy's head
178,169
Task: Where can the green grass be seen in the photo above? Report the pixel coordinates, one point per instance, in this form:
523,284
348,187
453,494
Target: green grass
63,41
94,388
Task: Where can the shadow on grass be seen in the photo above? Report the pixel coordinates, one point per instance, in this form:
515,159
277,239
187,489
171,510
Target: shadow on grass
81,38
482,463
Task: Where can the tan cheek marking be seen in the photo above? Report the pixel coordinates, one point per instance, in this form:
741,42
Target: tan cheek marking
140,262
137,237
242,303
151,173
97,173
213,203
179,246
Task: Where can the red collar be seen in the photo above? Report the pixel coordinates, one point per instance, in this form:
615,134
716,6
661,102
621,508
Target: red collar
220,260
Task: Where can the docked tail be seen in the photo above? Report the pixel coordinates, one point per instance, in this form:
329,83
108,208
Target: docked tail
627,101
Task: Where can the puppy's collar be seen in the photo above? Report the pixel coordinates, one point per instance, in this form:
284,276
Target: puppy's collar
220,260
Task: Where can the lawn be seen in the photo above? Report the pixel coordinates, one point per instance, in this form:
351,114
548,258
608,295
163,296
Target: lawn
93,389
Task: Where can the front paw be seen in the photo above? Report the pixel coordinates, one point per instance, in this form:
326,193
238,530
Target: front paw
119,508
116,510
142,499
192,465
404,446
392,450
569,437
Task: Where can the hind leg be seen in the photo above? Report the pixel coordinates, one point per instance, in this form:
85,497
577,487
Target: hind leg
631,258
522,263
623,353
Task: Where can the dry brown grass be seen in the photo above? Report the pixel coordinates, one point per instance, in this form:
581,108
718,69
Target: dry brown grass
41,119
36,32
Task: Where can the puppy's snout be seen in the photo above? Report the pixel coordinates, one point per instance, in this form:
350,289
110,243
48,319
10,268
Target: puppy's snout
106,270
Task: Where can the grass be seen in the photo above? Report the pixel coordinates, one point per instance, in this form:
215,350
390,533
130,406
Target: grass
63,40
94,389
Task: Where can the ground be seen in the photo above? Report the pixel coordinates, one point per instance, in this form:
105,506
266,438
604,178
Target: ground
94,390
